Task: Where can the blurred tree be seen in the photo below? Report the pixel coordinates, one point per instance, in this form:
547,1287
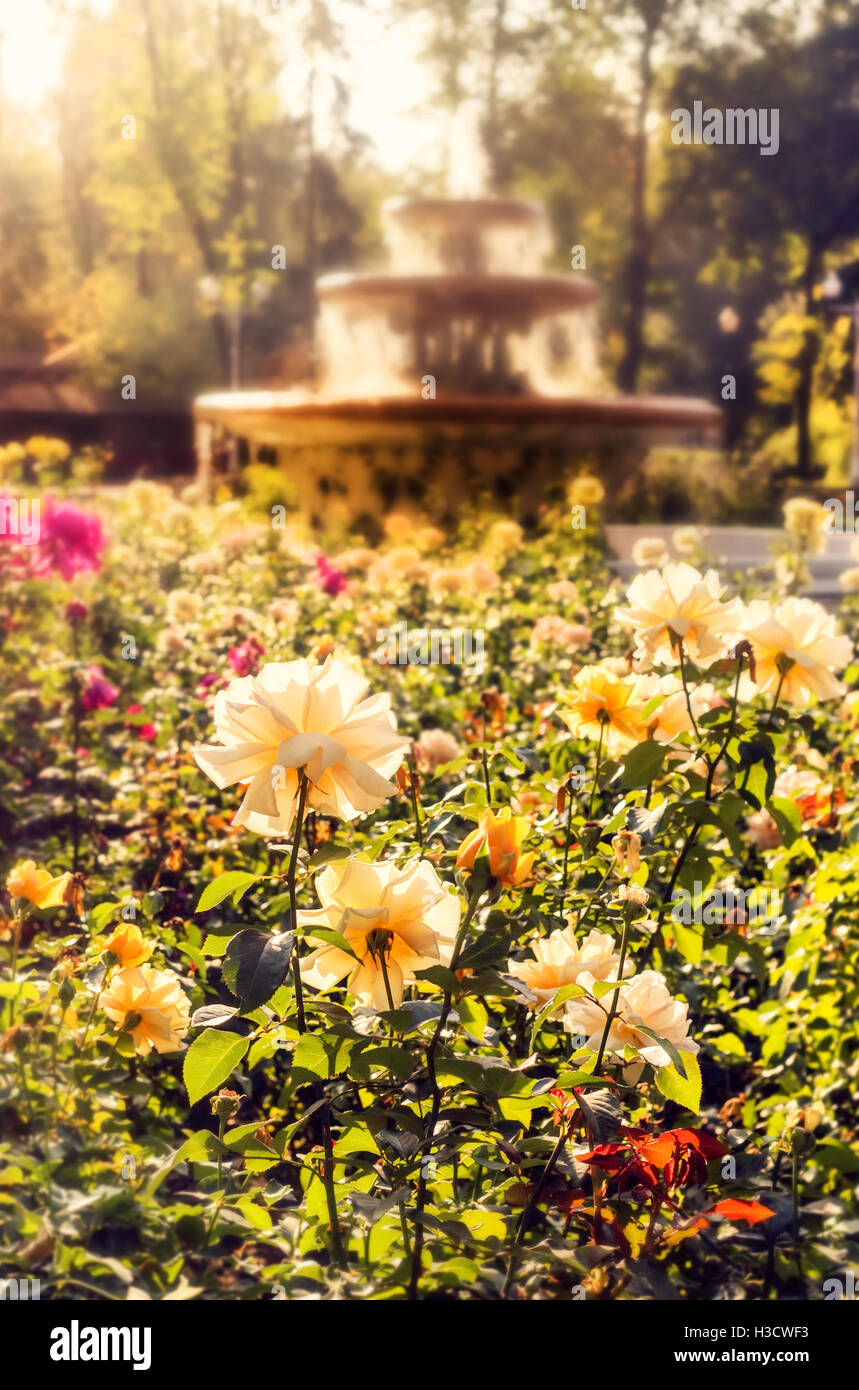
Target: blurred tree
188,155
771,221
471,47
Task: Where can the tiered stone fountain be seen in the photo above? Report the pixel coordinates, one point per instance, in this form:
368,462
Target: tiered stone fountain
463,373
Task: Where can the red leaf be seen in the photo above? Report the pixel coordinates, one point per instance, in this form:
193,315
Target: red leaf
701,1141
735,1210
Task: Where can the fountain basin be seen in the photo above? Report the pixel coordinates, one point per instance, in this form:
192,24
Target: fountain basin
364,456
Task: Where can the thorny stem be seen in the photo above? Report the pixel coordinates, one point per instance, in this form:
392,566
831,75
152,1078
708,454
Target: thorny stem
413,789
17,928
485,758
421,1196
76,723
337,1250
324,1119
771,716
666,897
726,740
682,654
596,773
290,880
529,1207
222,1123
567,848
612,1013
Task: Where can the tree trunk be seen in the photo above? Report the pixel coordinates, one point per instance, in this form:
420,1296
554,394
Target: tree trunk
806,364
184,196
495,54
638,264
311,238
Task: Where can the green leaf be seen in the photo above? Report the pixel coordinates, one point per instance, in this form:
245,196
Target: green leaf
256,964
212,1015
601,988
690,943
678,1061
198,1148
559,998
101,914
317,1055
209,1061
333,938
441,976
831,1153
686,1091
643,763
787,817
216,943
327,854
235,882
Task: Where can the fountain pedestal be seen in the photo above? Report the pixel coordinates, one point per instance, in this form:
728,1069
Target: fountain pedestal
516,402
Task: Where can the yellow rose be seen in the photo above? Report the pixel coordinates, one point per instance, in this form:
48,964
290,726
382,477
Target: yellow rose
586,491
36,885
149,1005
47,450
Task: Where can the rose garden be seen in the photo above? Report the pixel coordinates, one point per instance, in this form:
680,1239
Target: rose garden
331,977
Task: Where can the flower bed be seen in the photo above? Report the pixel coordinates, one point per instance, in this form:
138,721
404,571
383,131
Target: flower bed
520,969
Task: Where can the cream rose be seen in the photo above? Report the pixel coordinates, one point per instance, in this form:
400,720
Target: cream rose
678,604
559,960
644,1001
797,649
395,920
293,717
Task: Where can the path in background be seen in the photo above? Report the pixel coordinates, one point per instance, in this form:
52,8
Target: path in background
741,547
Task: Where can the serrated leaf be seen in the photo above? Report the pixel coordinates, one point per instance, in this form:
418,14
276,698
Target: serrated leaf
645,822
209,1061
212,1015
327,854
256,964
686,1091
603,1114
559,998
643,763
678,1061
370,1209
235,883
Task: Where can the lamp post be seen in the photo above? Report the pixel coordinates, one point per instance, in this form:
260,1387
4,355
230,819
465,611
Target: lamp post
841,292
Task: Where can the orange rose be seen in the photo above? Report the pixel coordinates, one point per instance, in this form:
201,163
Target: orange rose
127,943
501,837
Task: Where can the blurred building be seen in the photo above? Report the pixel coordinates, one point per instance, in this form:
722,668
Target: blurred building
40,394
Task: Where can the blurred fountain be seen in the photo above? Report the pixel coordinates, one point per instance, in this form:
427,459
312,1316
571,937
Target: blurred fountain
464,369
